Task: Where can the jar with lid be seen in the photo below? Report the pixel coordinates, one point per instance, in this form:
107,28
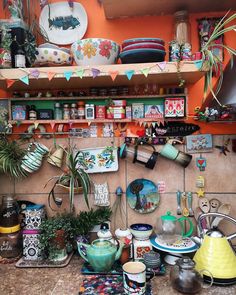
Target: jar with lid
182,29
58,113
81,110
32,113
9,212
89,111
73,111
10,241
66,111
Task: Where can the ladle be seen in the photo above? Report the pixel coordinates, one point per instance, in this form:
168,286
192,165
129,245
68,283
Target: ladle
224,209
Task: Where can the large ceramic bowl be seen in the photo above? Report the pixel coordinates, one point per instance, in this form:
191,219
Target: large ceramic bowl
52,55
141,231
95,51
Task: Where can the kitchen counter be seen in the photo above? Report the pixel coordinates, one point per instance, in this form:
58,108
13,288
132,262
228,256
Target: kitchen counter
67,281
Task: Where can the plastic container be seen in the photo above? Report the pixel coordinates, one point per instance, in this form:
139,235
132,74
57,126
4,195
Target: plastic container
10,241
9,216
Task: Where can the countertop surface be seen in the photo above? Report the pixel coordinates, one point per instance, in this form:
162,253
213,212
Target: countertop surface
67,281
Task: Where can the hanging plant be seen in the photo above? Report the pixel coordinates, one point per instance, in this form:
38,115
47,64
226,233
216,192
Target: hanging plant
211,60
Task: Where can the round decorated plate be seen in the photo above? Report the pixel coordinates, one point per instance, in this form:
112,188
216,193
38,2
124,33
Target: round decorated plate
62,24
142,195
149,45
185,245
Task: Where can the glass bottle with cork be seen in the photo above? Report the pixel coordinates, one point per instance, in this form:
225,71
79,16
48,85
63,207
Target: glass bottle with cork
58,113
66,111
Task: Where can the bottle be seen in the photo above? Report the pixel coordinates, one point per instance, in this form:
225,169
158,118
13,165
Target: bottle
81,110
9,212
20,61
73,111
32,113
182,28
66,111
58,113
89,111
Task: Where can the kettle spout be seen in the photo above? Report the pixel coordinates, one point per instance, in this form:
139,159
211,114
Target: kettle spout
119,251
197,240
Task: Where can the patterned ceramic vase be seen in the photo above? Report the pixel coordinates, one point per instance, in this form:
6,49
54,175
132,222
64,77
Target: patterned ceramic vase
33,159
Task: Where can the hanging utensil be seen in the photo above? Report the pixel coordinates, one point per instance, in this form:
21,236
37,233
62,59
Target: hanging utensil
214,205
185,211
178,195
205,207
197,213
190,201
224,209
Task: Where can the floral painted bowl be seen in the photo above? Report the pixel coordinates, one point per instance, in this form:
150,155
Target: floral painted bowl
51,55
141,231
95,51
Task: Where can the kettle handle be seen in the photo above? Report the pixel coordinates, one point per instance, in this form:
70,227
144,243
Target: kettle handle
83,252
191,226
215,214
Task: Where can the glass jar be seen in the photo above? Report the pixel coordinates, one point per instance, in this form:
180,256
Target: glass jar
32,113
9,212
10,241
66,111
81,110
73,111
58,113
182,27
89,111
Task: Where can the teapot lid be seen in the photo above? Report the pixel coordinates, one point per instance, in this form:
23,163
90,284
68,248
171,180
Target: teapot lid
185,263
168,217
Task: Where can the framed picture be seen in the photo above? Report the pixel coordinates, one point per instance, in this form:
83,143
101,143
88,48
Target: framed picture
201,143
137,110
205,29
174,107
154,111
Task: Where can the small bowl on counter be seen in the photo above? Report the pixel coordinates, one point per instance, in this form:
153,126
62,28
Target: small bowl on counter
95,51
51,55
141,231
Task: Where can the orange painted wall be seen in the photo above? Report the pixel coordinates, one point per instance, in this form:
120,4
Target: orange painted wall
150,26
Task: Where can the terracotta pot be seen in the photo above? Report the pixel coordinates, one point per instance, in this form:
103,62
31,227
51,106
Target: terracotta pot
125,255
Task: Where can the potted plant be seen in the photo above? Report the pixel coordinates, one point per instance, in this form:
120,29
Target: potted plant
5,50
11,154
74,177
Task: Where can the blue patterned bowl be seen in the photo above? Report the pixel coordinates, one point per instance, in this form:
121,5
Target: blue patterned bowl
141,231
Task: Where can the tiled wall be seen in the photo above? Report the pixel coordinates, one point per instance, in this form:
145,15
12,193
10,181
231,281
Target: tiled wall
219,178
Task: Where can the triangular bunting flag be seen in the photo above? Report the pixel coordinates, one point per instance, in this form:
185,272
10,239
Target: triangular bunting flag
25,79
158,123
36,124
34,73
89,123
68,74
140,123
95,72
80,73
198,63
51,75
10,82
162,65
144,124
52,124
145,71
113,74
149,124
129,74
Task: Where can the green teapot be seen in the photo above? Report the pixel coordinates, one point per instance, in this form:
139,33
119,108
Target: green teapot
101,254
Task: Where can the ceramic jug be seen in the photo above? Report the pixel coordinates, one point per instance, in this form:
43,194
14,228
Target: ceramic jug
170,152
101,254
32,161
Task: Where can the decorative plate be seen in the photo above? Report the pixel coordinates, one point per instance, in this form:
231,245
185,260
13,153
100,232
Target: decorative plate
185,245
63,25
142,195
142,55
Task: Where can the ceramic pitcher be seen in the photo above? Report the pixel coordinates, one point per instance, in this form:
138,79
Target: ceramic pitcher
32,161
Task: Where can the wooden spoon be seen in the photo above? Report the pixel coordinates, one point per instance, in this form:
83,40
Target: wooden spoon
214,205
224,209
204,205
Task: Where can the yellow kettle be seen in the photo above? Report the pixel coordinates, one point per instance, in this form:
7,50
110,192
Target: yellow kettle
216,254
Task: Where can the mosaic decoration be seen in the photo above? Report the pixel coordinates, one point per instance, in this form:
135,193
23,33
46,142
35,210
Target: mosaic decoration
105,285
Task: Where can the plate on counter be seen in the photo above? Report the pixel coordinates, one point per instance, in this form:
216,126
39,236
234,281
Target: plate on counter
62,24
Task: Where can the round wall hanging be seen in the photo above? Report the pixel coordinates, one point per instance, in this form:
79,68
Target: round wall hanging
142,195
62,24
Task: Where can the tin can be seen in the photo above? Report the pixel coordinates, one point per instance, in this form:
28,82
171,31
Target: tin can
89,111
31,245
100,112
34,215
174,51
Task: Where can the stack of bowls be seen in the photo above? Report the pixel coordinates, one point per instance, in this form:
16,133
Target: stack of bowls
152,259
141,50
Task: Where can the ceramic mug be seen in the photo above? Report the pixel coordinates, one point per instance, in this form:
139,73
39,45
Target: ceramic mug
134,278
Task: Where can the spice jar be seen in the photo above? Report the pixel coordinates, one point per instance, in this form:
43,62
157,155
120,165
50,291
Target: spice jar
89,111
8,213
73,111
81,110
66,111
182,27
58,113
32,113
10,241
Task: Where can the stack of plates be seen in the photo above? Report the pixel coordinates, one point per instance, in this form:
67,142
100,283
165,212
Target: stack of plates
141,50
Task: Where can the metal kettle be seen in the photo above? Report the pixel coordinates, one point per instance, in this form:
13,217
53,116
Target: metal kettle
216,255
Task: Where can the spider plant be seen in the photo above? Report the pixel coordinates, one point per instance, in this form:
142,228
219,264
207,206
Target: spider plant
74,178
212,61
11,155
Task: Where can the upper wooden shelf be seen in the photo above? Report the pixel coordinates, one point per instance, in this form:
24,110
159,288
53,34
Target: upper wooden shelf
166,76
117,9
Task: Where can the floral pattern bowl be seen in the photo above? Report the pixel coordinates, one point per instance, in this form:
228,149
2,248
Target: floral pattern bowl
95,51
51,55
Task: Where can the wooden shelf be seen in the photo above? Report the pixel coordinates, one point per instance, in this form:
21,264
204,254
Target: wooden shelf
168,76
13,122
117,9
